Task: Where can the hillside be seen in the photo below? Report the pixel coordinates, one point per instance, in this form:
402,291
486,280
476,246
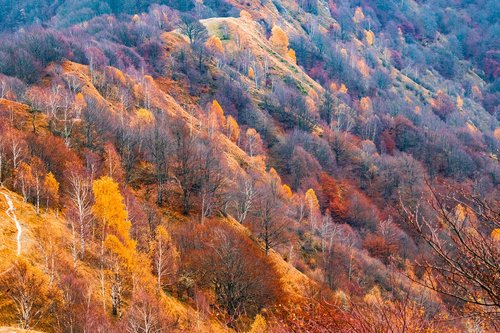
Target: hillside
249,166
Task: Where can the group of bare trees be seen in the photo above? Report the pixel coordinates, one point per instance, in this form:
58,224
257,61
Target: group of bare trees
460,233
185,160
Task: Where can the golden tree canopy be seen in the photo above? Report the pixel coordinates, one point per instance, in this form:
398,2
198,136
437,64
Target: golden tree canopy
363,68
495,234
311,200
214,43
343,89
259,325
109,206
359,16
51,186
80,101
251,132
291,55
365,104
144,117
233,129
251,73
218,113
370,37
279,39
287,191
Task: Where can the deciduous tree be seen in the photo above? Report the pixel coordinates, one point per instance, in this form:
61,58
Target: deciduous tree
232,129
359,16
116,243
369,37
271,223
292,56
279,40
239,275
186,164
193,29
464,264
165,259
216,117
254,145
312,205
51,190
28,292
215,45
147,315
79,211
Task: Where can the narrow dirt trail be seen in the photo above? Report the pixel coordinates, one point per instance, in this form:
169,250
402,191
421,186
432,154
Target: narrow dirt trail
11,213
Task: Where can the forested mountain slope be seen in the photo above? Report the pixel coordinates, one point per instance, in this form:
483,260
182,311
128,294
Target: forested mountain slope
249,166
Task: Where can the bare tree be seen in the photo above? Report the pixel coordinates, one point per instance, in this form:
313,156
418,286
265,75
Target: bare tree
96,120
3,159
270,223
158,143
80,209
460,232
165,258
128,145
17,148
193,29
146,315
27,287
66,114
38,173
185,167
244,198
401,312
73,82
212,179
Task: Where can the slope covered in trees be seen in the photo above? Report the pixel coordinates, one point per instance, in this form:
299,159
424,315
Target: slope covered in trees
257,166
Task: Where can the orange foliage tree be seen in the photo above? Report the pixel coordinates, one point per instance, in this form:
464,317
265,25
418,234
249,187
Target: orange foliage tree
232,129
333,195
359,16
363,68
232,268
279,40
51,190
24,179
251,73
365,104
291,55
25,290
369,37
217,120
254,145
117,248
312,205
214,44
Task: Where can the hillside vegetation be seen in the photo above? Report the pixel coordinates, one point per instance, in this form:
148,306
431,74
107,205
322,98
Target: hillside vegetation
249,166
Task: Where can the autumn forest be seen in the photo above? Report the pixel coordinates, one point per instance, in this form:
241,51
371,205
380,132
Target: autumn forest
257,166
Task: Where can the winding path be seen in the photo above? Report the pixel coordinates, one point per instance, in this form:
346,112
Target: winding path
11,213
